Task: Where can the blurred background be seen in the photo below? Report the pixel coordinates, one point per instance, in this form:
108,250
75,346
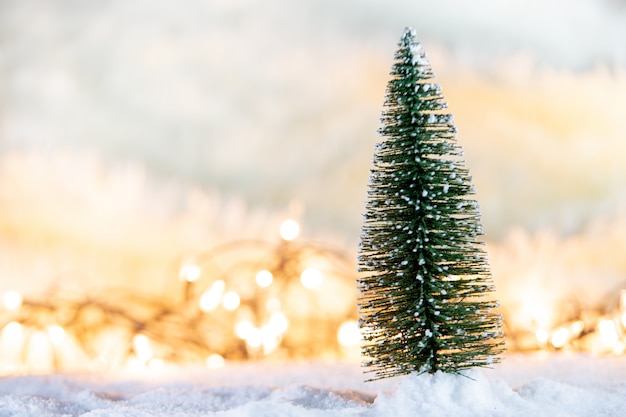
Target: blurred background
135,133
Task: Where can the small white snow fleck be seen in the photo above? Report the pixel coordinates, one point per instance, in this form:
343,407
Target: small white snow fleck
419,58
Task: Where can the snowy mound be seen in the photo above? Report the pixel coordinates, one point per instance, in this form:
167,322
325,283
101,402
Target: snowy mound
523,386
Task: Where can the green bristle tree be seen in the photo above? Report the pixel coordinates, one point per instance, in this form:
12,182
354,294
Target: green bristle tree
425,282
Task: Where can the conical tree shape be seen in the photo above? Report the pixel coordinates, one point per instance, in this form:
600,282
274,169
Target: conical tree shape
424,273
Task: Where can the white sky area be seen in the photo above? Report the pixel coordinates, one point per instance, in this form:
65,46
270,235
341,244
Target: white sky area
279,101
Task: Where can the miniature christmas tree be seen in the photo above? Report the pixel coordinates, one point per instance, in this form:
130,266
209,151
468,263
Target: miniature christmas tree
424,273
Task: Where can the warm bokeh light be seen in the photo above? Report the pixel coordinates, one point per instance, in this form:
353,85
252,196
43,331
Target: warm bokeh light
561,336
13,334
264,278
243,329
609,335
142,348
273,305
289,230
349,333
189,272
254,337
231,300
215,361
156,364
278,323
212,297
312,278
622,304
542,336
56,334
267,301
12,300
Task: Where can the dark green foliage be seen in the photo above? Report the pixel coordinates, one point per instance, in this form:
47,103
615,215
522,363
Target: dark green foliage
424,273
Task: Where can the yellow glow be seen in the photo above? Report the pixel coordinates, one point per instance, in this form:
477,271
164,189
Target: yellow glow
156,364
143,350
264,278
536,312
608,333
39,351
349,333
189,272
278,323
254,338
272,305
243,329
231,300
12,300
564,334
215,361
13,333
311,278
622,306
577,327
542,336
559,337
56,334
289,229
99,364
211,298
270,340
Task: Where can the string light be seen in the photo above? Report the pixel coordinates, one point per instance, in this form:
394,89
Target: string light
13,333
56,334
607,330
349,334
264,278
273,305
142,348
311,278
215,361
243,329
278,323
242,300
253,308
564,334
622,306
231,301
212,297
189,272
289,230
542,336
12,300
156,364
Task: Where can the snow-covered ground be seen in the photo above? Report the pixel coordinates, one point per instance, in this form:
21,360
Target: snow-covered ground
555,385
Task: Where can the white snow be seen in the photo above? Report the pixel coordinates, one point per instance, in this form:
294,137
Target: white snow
522,385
